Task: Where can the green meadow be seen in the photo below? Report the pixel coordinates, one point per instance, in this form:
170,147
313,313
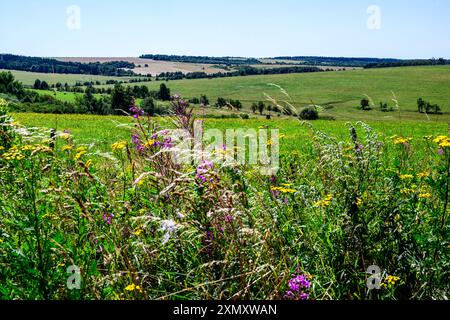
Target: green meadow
28,78
340,92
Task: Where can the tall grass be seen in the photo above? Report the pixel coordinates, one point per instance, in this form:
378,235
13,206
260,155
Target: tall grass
140,226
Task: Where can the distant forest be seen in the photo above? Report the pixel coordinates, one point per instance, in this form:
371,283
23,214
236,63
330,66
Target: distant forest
47,65
363,62
202,59
241,72
337,61
408,63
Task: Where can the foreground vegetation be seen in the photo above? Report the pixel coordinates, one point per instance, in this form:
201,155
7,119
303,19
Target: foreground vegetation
140,226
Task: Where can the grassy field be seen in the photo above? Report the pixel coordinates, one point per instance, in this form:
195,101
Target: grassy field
342,90
63,96
138,225
28,78
103,131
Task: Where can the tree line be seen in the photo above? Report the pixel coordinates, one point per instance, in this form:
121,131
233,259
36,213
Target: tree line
47,65
241,72
228,61
409,63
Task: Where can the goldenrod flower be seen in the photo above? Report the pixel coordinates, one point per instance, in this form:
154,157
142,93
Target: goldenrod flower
392,280
66,148
442,141
406,177
80,154
133,287
425,195
423,175
88,163
401,140
283,190
325,202
120,145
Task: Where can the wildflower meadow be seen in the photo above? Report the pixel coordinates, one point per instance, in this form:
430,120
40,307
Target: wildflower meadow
360,217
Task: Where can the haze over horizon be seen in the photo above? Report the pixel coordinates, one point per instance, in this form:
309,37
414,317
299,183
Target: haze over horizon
350,28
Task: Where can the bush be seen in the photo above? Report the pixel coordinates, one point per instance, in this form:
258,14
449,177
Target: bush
309,113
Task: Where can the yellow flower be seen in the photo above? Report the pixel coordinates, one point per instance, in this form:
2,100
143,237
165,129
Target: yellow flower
133,287
406,177
130,287
120,145
407,191
149,143
423,175
283,190
88,163
80,154
392,280
66,148
359,202
138,232
325,202
81,149
442,141
425,195
401,140
2,148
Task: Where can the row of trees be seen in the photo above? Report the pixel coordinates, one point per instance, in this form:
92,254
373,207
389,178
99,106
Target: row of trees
240,72
426,107
202,59
47,65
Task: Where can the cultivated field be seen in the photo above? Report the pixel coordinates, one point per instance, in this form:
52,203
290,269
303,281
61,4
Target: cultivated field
154,67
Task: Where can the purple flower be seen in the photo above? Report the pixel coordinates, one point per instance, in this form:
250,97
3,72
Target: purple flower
440,152
298,286
304,296
108,218
136,112
135,138
229,218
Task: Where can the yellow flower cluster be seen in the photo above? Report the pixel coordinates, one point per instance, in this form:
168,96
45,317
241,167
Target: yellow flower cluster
66,148
133,287
425,195
81,151
325,202
442,141
283,190
401,140
407,191
359,202
406,177
120,145
16,153
423,175
392,280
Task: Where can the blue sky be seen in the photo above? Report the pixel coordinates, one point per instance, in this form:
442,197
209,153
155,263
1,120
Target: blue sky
253,28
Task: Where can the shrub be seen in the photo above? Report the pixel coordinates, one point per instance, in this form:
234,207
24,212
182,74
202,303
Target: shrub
309,113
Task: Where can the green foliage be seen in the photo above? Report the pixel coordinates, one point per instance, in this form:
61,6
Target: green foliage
141,226
309,113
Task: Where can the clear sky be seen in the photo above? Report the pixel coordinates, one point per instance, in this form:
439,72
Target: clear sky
252,28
